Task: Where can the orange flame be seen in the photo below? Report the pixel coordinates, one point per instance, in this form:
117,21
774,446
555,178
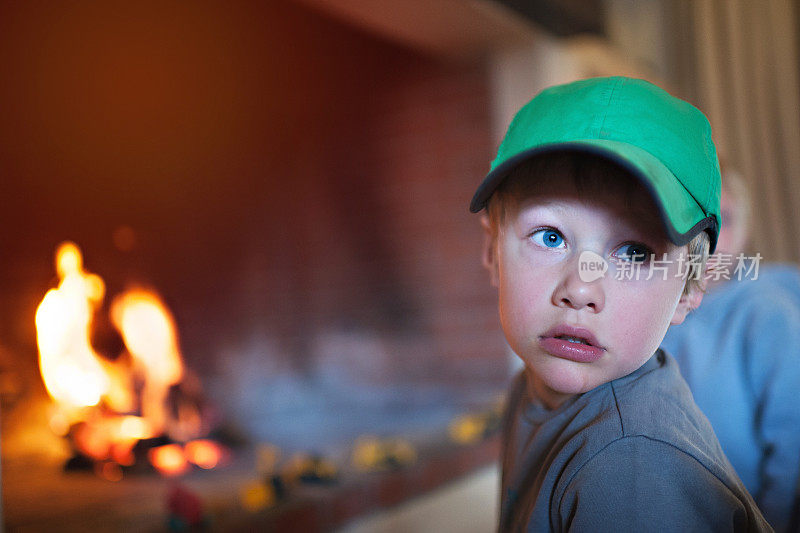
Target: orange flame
149,332
72,371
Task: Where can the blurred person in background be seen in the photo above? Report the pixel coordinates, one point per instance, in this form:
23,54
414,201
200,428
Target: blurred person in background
740,354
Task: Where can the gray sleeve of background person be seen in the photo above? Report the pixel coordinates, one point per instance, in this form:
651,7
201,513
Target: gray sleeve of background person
772,346
640,484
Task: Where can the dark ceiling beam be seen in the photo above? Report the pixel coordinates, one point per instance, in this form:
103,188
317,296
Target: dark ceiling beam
563,18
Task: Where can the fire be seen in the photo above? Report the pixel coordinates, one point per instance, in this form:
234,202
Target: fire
107,407
149,332
72,371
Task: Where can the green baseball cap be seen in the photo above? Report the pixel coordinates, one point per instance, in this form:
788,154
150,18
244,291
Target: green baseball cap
662,140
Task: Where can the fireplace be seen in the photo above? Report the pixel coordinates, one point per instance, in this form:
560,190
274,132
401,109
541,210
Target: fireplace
295,192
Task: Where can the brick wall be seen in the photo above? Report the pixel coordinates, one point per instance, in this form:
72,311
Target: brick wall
298,189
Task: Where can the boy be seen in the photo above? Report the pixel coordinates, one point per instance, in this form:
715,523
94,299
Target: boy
600,191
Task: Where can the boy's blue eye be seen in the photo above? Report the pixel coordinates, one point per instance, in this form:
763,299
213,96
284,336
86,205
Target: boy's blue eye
548,237
635,252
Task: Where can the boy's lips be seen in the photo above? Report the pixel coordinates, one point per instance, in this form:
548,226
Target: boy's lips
573,343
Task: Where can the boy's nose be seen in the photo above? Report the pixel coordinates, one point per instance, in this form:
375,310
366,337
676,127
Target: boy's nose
574,293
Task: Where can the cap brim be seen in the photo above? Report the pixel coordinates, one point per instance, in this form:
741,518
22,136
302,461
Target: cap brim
682,215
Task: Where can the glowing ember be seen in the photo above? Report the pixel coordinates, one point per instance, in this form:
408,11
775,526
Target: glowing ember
204,453
168,459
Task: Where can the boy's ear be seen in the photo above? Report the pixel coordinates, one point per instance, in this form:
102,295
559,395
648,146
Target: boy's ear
489,251
686,304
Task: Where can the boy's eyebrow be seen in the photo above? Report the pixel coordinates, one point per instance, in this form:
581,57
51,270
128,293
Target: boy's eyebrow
553,204
648,229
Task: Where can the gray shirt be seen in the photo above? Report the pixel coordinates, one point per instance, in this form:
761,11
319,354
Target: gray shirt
634,454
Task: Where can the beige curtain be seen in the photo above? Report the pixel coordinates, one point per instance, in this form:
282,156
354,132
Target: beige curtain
738,61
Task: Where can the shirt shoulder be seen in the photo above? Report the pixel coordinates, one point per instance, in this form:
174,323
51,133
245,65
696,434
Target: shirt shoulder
653,403
637,482
658,404
664,458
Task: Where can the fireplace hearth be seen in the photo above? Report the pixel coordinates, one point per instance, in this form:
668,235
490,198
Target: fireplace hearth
289,195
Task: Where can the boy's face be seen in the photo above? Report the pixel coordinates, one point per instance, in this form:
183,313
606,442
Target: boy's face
549,309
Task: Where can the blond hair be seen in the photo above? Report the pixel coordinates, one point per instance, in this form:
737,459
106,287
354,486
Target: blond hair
590,174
